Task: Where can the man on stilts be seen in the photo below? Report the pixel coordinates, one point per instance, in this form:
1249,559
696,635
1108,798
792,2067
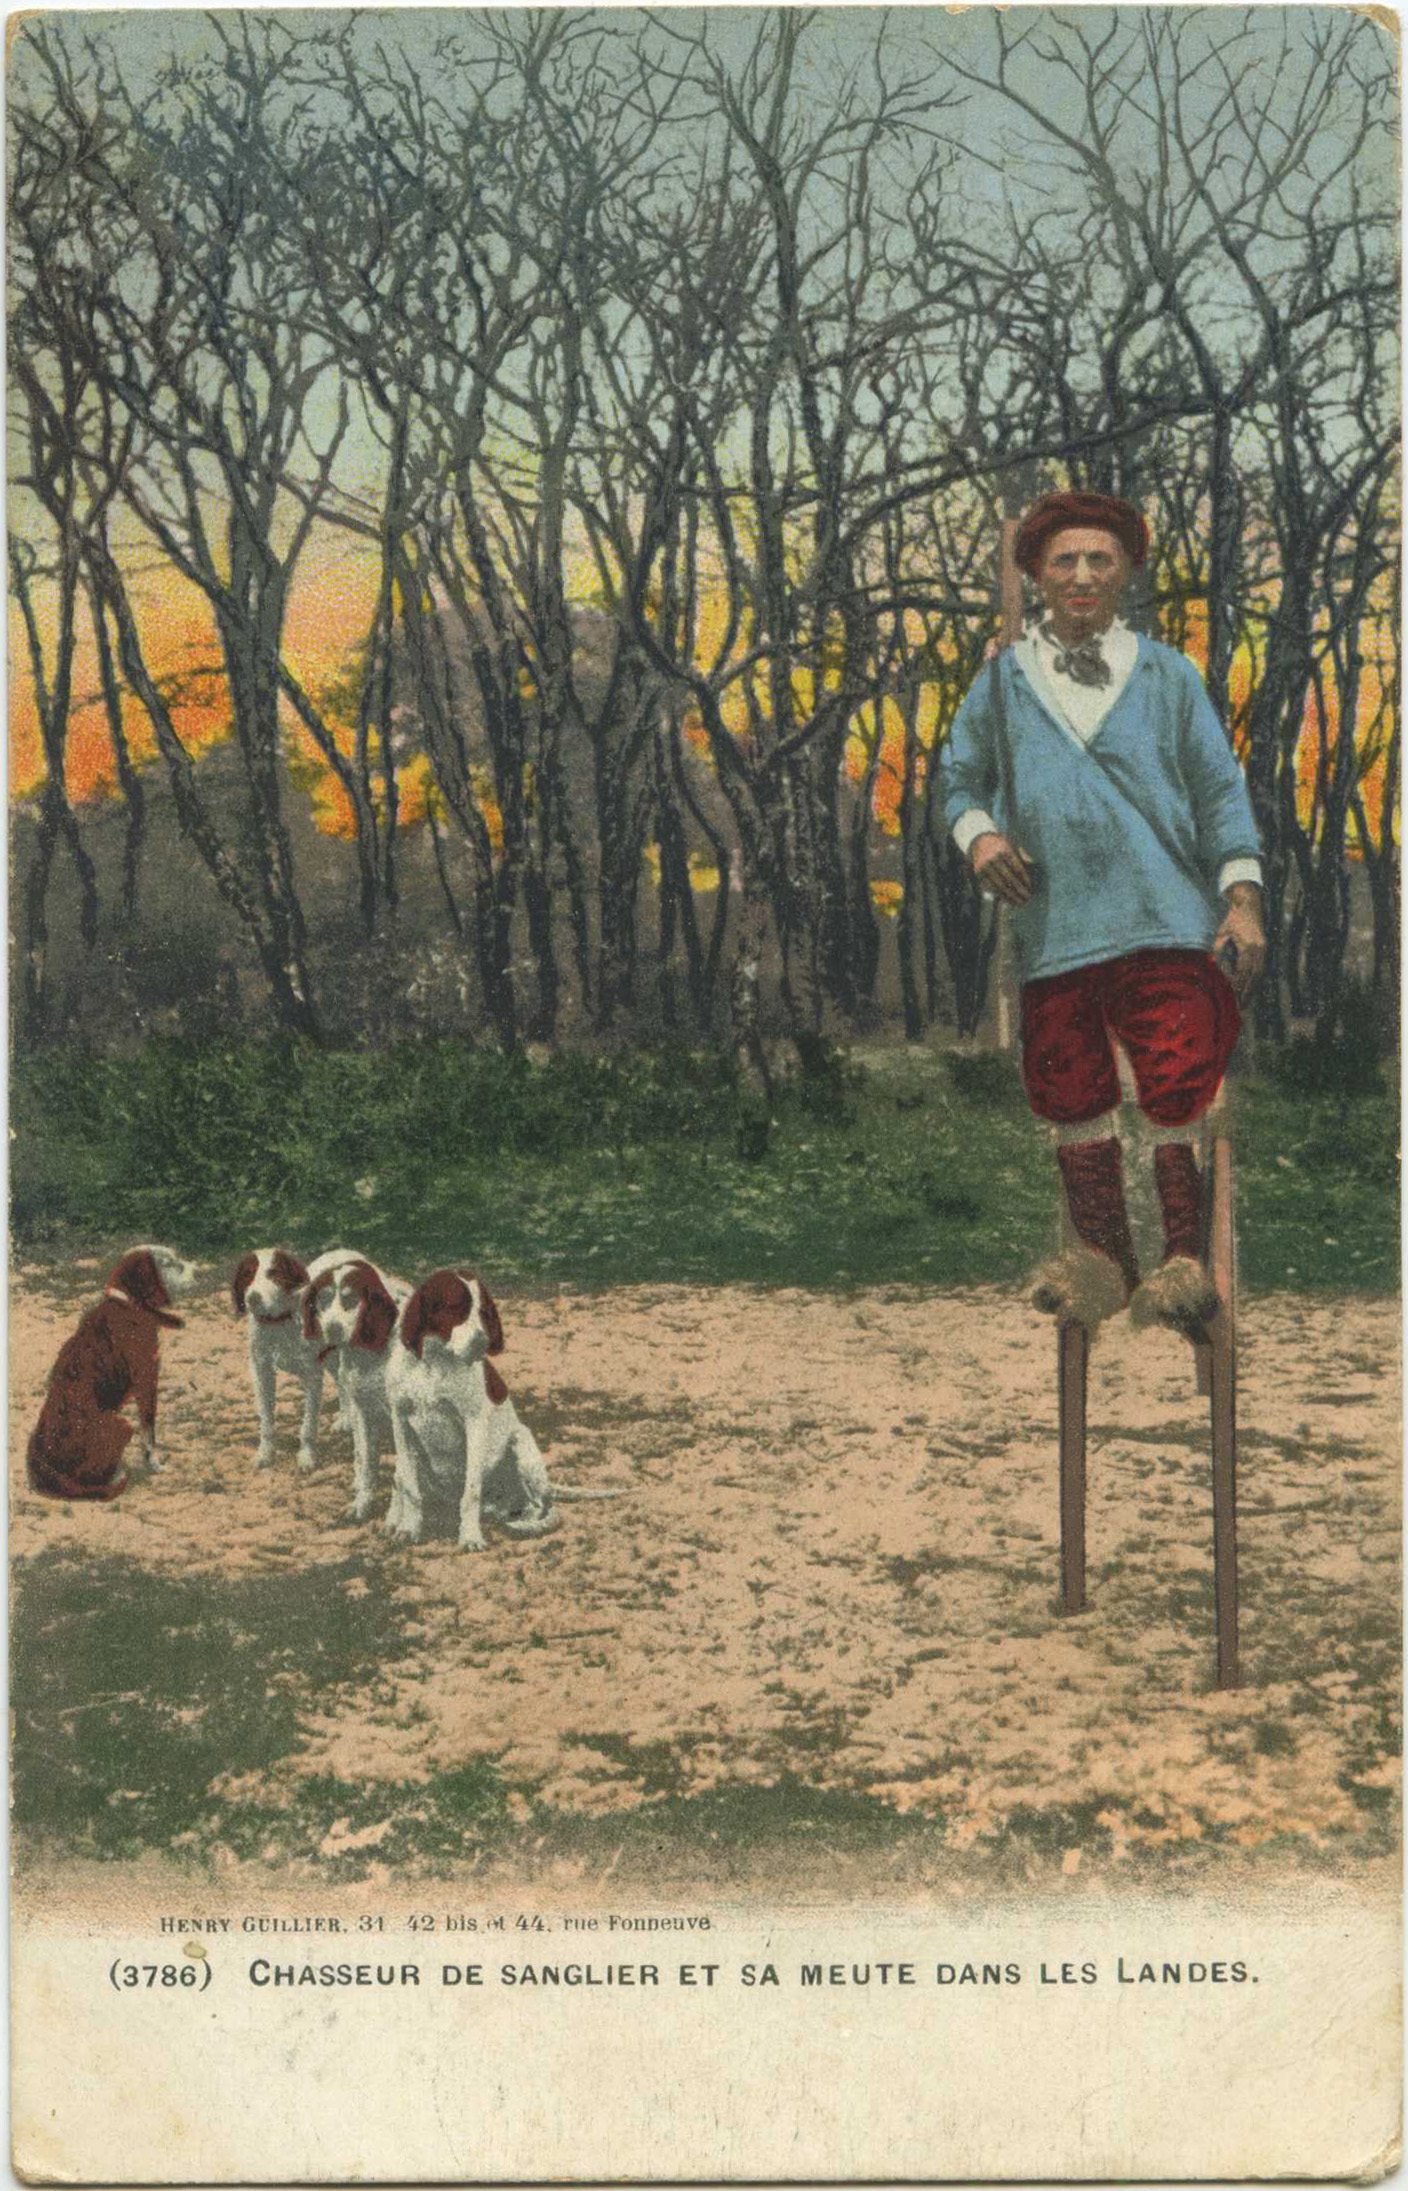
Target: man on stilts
1094,791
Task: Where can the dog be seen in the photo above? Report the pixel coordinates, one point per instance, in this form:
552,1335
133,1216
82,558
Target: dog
267,1286
459,1438
349,1314
75,1451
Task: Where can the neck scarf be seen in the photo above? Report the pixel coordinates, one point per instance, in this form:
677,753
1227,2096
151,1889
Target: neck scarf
1083,663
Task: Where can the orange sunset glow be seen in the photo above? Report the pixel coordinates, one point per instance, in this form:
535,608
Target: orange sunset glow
328,616
330,612
183,655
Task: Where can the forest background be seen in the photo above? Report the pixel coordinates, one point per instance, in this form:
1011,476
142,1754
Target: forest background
504,508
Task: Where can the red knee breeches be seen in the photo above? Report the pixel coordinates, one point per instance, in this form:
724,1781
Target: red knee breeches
1173,1013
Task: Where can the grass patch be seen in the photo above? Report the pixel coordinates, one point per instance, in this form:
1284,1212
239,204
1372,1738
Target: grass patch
1317,1188
153,1713
344,1826
159,1714
1049,1829
732,1831
736,1827
910,1570
656,1768
588,1170
134,1692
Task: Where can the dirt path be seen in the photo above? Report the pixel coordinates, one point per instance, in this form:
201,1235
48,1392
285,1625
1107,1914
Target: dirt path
838,1560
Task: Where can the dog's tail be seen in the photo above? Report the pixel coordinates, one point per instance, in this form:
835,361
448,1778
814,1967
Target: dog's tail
99,1473
540,1522
57,1483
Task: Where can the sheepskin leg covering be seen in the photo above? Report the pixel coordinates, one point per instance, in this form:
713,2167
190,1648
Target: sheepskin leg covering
1091,1281
1181,1291
1180,1294
1079,1287
1180,1185
1093,1172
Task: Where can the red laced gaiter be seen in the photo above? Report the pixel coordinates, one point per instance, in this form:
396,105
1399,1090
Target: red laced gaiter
1093,1172
1180,1185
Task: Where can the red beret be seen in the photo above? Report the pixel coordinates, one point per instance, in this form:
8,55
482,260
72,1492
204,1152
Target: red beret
1054,512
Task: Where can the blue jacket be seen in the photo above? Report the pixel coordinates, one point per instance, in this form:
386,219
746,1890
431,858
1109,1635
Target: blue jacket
1130,833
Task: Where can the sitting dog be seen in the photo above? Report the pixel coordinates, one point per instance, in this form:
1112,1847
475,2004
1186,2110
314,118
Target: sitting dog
459,1438
349,1314
76,1448
268,1286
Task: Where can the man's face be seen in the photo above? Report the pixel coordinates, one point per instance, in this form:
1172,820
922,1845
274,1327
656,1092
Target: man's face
1080,578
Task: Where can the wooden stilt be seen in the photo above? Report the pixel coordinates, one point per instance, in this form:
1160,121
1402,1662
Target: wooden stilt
1202,1360
1216,1357
1072,1356
1223,1383
1202,1348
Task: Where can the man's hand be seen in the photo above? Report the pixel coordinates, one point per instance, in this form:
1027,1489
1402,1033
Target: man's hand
1242,928
1001,868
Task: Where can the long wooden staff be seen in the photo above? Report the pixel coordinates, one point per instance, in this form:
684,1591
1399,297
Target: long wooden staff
1009,594
1009,577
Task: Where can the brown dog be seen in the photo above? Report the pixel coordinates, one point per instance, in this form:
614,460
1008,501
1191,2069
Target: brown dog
76,1449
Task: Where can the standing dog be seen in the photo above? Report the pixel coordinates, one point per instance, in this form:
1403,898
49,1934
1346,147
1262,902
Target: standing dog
268,1286
459,1437
76,1448
349,1314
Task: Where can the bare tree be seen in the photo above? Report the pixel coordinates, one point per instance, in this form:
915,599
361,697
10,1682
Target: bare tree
183,310
1381,765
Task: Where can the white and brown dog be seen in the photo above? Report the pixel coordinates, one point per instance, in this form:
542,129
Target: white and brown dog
459,1438
349,1314
267,1287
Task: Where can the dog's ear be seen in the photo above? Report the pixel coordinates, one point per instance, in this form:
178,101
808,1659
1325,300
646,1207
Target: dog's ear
377,1320
246,1270
490,1319
413,1322
310,1311
287,1272
139,1277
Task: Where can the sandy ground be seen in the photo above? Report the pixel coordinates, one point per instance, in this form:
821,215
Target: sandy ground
838,1560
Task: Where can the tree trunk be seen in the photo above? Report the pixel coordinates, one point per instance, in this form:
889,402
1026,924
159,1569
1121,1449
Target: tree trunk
34,1022
1224,549
968,935
287,992
837,955
250,643
128,777
677,909
745,1011
911,873
864,926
